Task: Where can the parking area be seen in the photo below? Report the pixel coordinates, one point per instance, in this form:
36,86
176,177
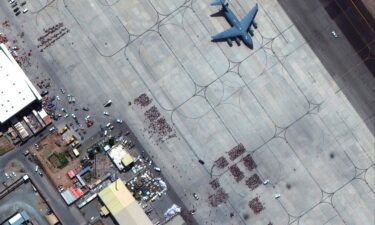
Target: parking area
297,129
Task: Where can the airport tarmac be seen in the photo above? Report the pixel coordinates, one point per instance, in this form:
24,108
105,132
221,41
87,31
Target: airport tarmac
278,100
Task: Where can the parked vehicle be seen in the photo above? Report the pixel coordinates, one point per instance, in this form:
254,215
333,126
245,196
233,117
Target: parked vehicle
107,103
195,196
44,93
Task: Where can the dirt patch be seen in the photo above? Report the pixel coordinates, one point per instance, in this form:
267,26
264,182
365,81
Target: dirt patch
56,159
5,145
15,166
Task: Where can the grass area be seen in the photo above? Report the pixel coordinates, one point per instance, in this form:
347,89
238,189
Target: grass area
58,160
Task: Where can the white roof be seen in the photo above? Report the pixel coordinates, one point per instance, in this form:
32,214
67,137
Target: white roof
117,153
16,90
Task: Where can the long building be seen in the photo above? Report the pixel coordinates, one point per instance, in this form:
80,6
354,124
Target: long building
16,90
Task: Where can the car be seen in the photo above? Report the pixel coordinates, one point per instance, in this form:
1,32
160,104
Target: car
7,175
107,103
14,4
11,1
106,113
334,34
26,153
277,196
85,108
157,169
25,10
36,168
63,130
119,121
14,174
87,117
17,13
15,10
66,115
195,196
40,173
60,188
51,129
23,3
108,125
62,90
74,116
44,93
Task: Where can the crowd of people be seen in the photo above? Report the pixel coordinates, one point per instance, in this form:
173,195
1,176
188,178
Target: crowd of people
221,162
253,181
236,172
51,35
152,114
215,184
256,205
218,198
249,162
236,151
143,100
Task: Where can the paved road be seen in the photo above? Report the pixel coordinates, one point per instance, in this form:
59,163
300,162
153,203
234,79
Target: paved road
67,215
344,64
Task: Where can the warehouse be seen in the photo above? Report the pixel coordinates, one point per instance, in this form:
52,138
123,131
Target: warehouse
16,90
120,203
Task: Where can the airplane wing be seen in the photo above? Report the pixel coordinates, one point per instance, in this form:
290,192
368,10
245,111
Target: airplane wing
229,33
248,19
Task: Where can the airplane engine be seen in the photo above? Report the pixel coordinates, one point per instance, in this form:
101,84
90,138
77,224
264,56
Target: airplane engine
229,41
238,41
251,32
255,25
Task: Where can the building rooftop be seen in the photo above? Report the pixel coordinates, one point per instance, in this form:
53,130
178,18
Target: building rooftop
16,90
122,205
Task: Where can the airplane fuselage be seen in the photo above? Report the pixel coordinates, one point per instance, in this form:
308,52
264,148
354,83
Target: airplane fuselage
234,22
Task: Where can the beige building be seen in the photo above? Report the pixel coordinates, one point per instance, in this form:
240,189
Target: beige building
120,203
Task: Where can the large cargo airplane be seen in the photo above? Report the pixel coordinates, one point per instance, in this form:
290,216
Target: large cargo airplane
240,29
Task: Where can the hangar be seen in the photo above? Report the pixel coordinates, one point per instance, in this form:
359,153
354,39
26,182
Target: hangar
16,90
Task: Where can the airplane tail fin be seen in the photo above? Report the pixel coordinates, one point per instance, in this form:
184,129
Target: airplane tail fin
218,2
